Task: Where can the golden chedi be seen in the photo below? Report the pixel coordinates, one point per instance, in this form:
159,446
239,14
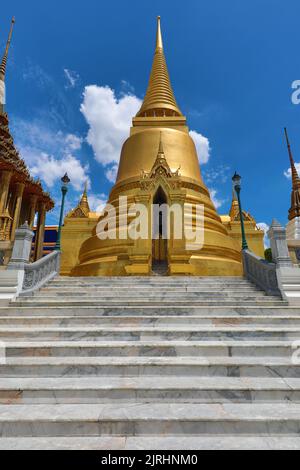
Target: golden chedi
159,164
77,228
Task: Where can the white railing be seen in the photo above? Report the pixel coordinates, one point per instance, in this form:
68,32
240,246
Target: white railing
39,273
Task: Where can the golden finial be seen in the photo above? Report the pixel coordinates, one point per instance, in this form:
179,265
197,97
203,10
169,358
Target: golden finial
4,60
159,42
85,187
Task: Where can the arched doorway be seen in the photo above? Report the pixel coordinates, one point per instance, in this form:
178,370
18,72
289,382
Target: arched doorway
159,233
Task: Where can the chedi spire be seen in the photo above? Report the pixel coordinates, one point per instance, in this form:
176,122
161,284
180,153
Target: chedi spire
159,99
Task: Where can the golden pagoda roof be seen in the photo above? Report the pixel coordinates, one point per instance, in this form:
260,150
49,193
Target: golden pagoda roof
82,210
234,212
159,99
295,196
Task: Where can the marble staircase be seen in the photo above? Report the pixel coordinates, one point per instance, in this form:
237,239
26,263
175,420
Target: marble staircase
149,363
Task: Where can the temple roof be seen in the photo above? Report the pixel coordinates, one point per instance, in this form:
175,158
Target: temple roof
234,212
82,210
159,99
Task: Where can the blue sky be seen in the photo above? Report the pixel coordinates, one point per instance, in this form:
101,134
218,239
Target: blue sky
231,65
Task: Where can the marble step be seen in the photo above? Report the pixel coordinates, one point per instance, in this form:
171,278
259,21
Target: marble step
50,291
132,366
152,295
167,311
168,348
149,279
150,333
153,419
154,389
253,321
220,442
187,298
120,302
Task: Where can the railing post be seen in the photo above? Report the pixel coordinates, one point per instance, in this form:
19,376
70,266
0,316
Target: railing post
280,252
22,248
288,275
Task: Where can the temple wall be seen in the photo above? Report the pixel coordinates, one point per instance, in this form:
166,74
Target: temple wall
74,232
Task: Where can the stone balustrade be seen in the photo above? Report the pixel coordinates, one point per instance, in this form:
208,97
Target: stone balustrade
22,277
39,273
278,278
261,272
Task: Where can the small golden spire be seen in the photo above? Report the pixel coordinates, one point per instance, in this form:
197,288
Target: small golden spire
84,203
161,147
4,60
234,209
159,99
295,196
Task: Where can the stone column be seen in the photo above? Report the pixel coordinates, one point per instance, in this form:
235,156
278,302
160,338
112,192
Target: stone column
288,276
22,247
4,185
280,252
32,210
40,231
18,203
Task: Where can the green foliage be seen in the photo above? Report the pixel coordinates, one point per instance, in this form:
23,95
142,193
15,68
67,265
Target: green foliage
268,255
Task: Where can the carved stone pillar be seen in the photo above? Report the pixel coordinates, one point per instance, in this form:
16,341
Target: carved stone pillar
17,210
40,231
280,252
32,210
4,188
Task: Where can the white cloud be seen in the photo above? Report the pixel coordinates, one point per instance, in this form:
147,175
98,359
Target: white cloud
49,154
217,175
51,169
73,141
288,172
97,202
111,173
215,199
109,119
202,146
71,77
265,227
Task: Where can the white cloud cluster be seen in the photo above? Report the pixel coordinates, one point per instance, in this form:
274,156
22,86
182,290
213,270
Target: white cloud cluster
202,146
111,173
288,172
215,199
265,227
50,169
217,175
50,154
109,119
97,202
